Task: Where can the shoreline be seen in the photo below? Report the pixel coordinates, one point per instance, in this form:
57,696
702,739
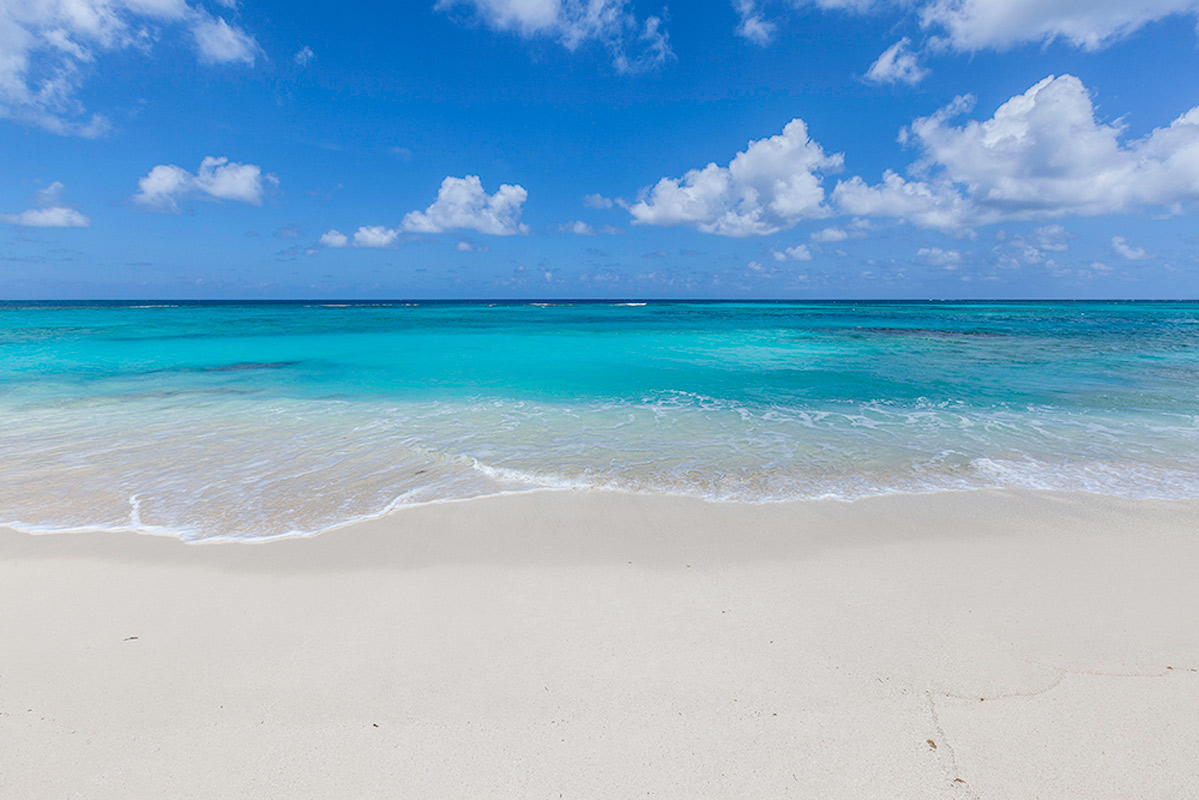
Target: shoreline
598,644
187,537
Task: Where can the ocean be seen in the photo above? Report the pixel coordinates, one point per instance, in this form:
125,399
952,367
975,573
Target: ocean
256,420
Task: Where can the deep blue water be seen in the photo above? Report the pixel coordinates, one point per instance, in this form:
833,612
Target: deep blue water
208,419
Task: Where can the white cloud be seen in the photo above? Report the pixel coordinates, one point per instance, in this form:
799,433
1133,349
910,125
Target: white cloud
829,235
218,42
1131,253
217,177
634,45
49,196
971,25
597,201
464,246
925,205
897,64
369,236
303,56
375,236
753,26
463,203
755,7
1032,248
949,259
49,48
1042,154
798,253
220,178
162,185
55,217
771,185
334,238
1050,237
51,213
578,228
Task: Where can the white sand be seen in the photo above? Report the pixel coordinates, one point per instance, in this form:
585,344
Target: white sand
576,644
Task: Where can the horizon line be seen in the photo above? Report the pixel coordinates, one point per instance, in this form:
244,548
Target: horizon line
560,300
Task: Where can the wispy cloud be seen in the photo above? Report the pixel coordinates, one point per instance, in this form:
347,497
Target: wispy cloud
49,49
897,64
1129,252
634,44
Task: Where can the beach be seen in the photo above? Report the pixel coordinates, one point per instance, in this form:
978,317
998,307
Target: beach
599,399
586,643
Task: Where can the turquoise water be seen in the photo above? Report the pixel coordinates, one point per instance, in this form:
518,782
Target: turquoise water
253,420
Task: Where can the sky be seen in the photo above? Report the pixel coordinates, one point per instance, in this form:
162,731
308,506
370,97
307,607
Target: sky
782,149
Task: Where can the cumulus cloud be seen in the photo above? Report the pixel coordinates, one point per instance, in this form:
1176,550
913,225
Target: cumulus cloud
770,186
51,212
1129,252
376,236
633,44
334,238
897,64
923,204
462,203
799,252
48,49
217,178
1042,154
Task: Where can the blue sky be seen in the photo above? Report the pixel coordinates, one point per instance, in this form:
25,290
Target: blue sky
599,148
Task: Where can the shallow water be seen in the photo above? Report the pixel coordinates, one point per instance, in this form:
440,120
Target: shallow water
252,420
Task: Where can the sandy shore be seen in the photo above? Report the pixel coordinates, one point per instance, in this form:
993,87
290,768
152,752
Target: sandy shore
572,644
